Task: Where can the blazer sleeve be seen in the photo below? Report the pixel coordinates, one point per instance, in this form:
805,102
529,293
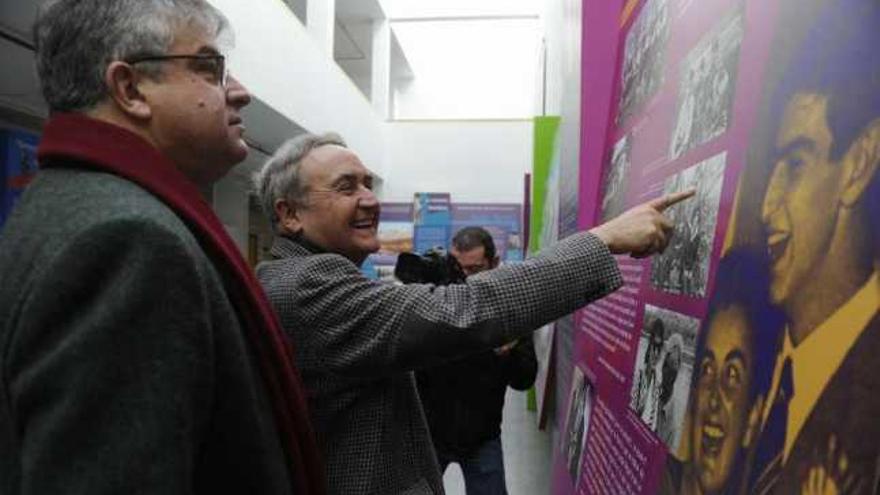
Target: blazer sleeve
108,374
344,323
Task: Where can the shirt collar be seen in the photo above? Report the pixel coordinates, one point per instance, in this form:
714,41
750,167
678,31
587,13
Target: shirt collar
818,357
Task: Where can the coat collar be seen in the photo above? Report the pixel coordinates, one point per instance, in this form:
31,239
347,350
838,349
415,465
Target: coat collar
287,246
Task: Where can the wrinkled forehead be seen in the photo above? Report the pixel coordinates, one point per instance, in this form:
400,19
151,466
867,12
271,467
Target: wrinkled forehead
326,164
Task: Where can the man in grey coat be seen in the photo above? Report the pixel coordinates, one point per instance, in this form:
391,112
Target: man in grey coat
137,352
357,341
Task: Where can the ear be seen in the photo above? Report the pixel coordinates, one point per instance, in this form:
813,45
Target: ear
860,164
288,216
122,82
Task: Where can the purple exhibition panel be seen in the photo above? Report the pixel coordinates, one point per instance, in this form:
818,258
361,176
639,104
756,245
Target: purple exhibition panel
673,54
740,359
600,29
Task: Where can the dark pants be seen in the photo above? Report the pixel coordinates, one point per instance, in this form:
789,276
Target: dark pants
483,470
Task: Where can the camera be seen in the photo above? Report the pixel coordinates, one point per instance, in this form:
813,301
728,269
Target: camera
436,267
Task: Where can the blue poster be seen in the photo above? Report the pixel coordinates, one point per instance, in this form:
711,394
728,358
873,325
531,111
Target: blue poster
19,164
502,220
432,219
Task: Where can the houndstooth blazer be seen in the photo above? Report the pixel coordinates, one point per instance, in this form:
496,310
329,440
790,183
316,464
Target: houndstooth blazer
358,340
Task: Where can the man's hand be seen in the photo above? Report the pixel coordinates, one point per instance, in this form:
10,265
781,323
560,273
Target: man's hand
642,230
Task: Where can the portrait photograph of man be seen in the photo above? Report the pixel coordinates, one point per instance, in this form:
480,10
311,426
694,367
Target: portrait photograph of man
809,200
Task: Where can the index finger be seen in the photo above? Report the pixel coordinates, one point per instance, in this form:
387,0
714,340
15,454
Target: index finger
664,202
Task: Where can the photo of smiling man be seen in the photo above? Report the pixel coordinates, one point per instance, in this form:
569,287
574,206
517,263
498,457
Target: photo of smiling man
734,362
810,200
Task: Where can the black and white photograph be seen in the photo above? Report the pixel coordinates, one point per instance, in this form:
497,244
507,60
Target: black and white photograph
580,404
615,179
663,371
684,267
707,86
644,57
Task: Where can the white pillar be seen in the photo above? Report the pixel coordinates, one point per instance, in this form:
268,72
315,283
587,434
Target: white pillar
321,23
380,87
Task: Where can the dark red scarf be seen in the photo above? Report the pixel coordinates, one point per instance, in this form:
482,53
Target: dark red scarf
76,141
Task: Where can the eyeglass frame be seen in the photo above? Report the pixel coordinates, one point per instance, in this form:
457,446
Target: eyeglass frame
222,75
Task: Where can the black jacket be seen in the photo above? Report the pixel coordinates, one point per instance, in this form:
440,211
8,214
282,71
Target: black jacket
463,399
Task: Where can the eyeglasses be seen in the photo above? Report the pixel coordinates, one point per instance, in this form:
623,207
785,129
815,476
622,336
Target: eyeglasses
210,64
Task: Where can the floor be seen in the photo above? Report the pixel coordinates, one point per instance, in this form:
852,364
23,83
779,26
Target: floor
527,452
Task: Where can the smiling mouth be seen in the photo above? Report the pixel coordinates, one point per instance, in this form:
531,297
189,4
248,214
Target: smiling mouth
713,438
365,224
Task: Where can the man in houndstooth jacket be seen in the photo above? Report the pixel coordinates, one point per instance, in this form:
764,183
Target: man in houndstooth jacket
357,341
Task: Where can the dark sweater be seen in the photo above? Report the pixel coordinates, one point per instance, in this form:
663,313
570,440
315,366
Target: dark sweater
463,399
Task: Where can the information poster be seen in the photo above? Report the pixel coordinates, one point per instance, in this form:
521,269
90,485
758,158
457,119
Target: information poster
395,237
432,221
18,152
502,220
741,360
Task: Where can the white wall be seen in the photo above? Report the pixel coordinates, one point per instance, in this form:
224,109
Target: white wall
468,69
280,63
481,161
562,34
563,28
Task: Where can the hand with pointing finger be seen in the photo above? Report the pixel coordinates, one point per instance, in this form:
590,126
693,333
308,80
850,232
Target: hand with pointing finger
643,230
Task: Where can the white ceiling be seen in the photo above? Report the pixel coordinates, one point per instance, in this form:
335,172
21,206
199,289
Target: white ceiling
422,9
353,41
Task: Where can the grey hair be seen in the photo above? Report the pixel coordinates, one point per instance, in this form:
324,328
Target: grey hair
279,178
77,39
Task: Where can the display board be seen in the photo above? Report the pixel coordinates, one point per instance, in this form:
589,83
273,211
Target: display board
395,237
544,227
502,220
438,219
18,164
432,217
739,360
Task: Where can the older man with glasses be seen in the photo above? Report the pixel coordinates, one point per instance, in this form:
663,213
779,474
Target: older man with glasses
137,352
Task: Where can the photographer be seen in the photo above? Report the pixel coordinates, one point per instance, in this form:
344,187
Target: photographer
357,341
463,399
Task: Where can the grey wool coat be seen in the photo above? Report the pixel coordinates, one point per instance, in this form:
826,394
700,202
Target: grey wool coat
123,368
357,342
